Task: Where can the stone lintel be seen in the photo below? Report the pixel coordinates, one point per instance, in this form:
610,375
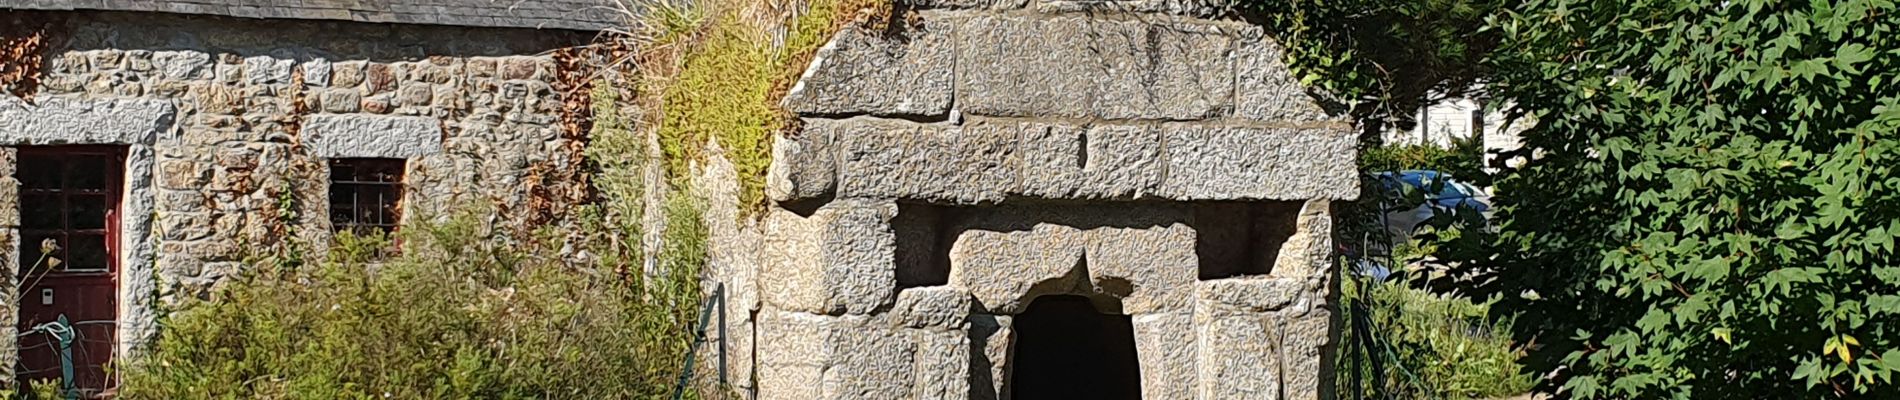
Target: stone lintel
371,136
991,161
53,120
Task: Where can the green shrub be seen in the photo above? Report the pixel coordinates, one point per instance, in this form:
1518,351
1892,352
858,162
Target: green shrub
1407,343
1712,199
462,312
1463,160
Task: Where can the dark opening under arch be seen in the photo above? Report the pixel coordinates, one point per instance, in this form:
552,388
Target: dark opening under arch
1066,349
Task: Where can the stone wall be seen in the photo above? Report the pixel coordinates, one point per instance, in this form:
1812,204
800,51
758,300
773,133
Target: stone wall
228,119
952,170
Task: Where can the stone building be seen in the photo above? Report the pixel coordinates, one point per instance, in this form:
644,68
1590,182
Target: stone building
155,142
996,199
1044,199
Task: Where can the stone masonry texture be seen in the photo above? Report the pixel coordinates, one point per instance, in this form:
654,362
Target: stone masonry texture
1161,163
223,117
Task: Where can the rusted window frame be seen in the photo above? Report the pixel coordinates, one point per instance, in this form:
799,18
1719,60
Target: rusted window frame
360,182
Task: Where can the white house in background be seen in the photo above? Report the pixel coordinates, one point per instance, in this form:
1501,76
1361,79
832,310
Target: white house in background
1459,118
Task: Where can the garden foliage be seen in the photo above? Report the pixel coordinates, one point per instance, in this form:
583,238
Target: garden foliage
463,312
1711,202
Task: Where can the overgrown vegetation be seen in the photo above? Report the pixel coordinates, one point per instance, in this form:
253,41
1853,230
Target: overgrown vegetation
1419,345
1402,339
1463,160
730,79
1711,200
463,312
1708,206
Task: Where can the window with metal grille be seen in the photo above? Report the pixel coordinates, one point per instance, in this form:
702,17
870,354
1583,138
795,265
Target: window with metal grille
365,194
69,196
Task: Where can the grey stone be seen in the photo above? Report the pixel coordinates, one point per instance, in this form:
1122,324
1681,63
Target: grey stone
941,164
932,307
1309,252
837,260
228,74
804,166
1173,72
1022,67
1197,8
358,135
791,356
9,213
1307,340
317,72
865,72
1083,67
1267,89
1233,163
870,365
826,357
1103,162
341,101
1237,357
263,70
1009,257
1252,295
1165,346
1147,258
943,365
64,120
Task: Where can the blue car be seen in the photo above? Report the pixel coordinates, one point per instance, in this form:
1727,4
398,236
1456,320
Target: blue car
1423,194
1413,198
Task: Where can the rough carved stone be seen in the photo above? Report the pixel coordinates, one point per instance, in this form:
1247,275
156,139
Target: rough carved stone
866,72
64,120
357,135
837,260
1237,163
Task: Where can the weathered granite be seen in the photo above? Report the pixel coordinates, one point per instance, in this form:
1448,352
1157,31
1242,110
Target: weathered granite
371,136
1162,165
942,367
1147,259
947,164
1107,162
1237,163
939,307
54,120
838,260
1009,257
1166,345
906,72
807,163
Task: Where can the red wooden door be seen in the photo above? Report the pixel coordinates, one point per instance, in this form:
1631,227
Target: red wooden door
69,260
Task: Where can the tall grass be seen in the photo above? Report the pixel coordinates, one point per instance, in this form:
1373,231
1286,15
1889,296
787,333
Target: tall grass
462,312
1407,343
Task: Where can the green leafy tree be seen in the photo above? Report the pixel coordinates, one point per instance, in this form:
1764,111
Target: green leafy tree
1710,205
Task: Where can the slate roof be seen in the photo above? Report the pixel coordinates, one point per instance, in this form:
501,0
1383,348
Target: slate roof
586,15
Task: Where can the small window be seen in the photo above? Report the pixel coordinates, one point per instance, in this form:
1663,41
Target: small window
365,194
69,196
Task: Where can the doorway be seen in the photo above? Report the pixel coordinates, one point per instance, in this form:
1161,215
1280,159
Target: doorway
1066,349
69,263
